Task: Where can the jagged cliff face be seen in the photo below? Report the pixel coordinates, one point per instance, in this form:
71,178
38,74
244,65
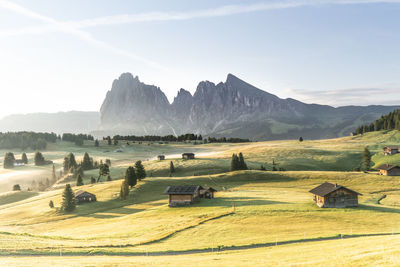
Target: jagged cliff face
233,108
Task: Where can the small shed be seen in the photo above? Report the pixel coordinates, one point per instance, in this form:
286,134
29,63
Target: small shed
84,196
188,156
390,150
182,195
389,170
19,162
207,192
329,195
160,157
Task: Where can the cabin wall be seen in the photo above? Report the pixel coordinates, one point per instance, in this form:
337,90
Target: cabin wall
340,199
394,172
383,172
177,200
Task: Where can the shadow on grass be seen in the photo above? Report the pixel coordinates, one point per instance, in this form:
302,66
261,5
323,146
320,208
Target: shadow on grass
237,201
378,208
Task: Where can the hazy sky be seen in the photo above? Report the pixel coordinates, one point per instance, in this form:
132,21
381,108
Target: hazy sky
59,55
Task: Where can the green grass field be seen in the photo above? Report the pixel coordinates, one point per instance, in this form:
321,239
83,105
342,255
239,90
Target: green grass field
258,217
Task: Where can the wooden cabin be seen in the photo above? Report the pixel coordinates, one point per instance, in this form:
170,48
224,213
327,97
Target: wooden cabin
390,150
84,196
329,195
207,192
182,195
188,156
160,157
389,170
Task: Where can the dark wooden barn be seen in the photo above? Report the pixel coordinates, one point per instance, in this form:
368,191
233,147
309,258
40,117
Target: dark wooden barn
160,157
389,170
182,195
390,150
329,195
188,156
84,196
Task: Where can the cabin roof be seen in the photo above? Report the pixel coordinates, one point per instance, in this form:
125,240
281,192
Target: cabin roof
188,154
82,192
392,147
207,188
182,189
327,188
387,167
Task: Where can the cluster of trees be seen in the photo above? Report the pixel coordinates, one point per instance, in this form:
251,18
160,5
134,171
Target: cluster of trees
132,175
226,140
9,160
24,140
156,138
238,162
77,138
390,121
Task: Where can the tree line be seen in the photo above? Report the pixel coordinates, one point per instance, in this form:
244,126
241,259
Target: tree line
25,140
172,138
390,121
77,138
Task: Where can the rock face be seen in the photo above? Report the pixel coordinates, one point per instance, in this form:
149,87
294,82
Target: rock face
233,108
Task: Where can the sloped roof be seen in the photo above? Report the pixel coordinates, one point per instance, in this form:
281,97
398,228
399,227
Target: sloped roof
207,188
326,188
387,167
182,189
81,192
187,154
392,147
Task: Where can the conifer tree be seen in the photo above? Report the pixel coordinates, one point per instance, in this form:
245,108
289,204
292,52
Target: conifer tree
234,162
71,161
140,171
38,158
96,143
53,174
109,140
9,160
130,176
171,167
24,158
79,180
124,189
242,163
103,171
68,199
16,187
51,204
366,155
92,180
87,162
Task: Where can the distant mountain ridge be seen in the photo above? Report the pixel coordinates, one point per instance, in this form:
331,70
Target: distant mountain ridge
60,122
232,108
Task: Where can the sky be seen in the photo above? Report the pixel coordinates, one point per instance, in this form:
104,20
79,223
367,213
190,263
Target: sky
61,55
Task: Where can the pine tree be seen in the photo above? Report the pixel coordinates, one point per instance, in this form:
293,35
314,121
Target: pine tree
124,190
87,162
24,158
51,204
71,161
38,159
92,180
68,199
16,187
96,143
79,181
9,160
130,176
103,171
234,162
53,174
140,171
366,155
301,139
242,163
109,178
109,140
171,167
66,165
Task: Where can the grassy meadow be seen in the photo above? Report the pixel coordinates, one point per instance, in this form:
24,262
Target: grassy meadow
258,217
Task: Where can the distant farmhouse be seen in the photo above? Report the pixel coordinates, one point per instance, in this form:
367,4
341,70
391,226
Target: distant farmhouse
18,162
184,195
188,156
389,170
329,195
84,196
390,150
160,157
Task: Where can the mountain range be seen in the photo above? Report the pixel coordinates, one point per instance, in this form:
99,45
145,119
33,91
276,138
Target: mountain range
232,108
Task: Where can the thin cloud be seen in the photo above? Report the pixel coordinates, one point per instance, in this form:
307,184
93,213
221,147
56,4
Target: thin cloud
222,11
353,96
